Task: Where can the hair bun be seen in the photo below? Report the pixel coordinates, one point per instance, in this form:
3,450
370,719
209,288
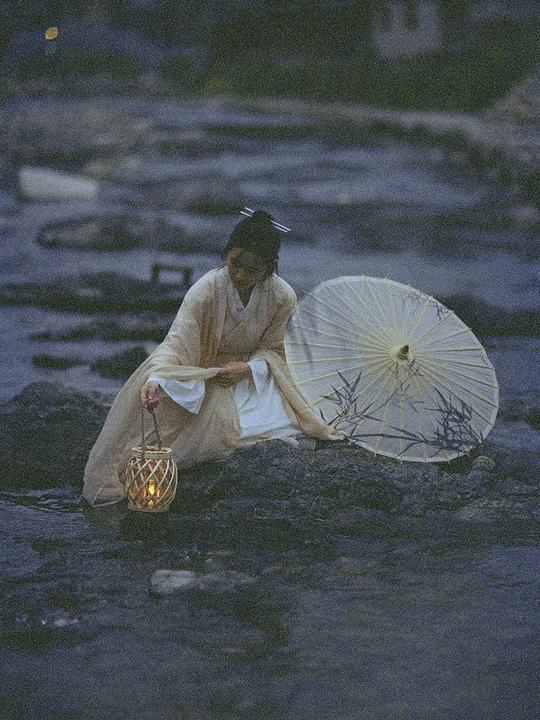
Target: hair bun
261,216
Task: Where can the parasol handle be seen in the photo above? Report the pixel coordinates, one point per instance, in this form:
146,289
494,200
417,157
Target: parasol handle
158,436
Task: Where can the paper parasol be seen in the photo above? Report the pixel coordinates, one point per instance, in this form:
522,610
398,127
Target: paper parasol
392,369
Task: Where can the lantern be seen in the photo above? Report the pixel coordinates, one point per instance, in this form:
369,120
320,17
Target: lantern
150,475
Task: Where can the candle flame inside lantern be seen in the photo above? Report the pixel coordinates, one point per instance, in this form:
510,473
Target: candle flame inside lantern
150,483
150,492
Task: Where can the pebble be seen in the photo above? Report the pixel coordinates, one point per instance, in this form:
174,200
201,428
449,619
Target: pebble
483,462
166,582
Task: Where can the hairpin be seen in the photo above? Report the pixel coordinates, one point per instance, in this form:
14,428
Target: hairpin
248,212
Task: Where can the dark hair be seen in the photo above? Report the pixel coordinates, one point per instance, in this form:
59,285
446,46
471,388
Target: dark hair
257,235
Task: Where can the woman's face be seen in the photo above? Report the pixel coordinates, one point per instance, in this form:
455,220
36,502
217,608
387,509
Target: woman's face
245,269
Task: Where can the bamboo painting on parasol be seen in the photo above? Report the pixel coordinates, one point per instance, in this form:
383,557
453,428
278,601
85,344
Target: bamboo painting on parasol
392,369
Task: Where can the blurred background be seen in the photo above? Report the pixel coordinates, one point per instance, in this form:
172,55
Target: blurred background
432,54
395,138
398,139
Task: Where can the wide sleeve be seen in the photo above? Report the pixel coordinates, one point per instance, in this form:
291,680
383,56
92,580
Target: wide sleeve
184,354
181,346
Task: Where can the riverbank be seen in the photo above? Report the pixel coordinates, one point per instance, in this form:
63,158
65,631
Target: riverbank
501,146
277,571
510,126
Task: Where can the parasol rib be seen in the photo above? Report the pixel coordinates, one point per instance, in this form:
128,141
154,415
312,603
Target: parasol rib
393,366
332,323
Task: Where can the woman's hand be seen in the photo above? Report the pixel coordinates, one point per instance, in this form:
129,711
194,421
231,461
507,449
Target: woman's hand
150,395
232,373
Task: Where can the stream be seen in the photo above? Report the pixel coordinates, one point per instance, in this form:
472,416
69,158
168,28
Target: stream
442,625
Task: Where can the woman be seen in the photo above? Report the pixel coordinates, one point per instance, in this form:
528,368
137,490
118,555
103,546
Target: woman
219,377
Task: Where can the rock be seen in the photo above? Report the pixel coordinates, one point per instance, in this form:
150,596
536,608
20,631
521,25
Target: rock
225,581
117,231
122,365
513,408
522,465
116,367
165,582
104,292
497,510
219,196
483,462
488,320
49,362
46,433
272,494
533,418
527,215
43,184
146,327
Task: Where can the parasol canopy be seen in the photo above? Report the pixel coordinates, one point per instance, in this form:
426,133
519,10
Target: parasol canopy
392,369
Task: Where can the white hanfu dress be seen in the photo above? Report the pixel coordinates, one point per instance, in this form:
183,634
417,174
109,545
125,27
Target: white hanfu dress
199,419
258,401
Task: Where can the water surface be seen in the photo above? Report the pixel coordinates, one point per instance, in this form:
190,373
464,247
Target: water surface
404,627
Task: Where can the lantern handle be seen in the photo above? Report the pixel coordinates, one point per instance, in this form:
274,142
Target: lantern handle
158,436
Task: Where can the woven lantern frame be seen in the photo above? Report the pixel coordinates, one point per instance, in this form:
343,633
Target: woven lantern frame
150,475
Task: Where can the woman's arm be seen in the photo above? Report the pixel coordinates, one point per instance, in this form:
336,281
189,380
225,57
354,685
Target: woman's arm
232,373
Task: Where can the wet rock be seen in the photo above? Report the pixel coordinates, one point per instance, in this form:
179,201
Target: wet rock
225,581
533,418
50,362
145,327
495,510
118,231
275,490
105,292
527,215
513,408
483,462
122,365
522,466
218,196
270,495
165,582
46,185
485,319
46,433
125,231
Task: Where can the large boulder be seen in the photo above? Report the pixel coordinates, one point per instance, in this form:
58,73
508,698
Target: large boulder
46,433
117,231
48,430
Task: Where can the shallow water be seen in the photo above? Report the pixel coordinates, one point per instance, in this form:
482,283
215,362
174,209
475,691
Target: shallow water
356,203
439,627
433,626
